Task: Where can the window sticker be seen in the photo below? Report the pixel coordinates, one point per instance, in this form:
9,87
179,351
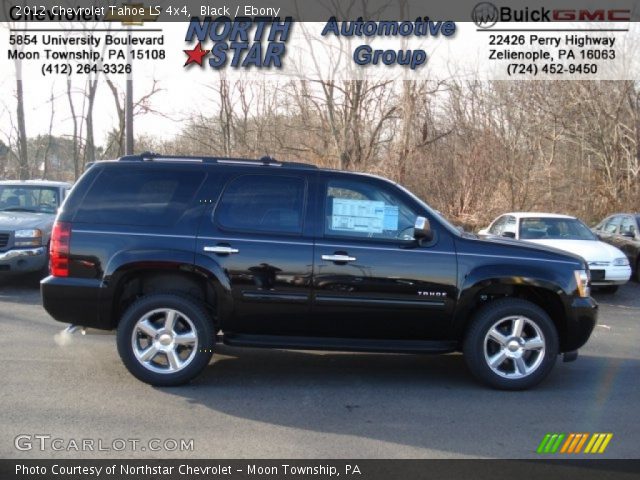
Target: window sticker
365,216
391,214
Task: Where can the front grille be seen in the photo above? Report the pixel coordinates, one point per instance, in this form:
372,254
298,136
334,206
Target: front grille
4,239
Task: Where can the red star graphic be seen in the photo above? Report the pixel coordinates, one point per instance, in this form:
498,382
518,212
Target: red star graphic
195,55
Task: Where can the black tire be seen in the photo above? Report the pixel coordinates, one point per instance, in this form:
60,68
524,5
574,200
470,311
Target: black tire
192,320
477,339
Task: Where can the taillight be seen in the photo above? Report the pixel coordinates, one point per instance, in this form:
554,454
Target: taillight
59,249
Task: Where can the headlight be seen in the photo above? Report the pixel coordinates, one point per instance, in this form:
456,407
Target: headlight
621,262
28,238
582,282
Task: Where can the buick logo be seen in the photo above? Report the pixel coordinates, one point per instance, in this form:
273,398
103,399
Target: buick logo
485,15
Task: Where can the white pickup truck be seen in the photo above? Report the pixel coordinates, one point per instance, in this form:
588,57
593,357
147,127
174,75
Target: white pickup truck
27,211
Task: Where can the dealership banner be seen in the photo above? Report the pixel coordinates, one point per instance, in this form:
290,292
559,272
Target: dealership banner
190,41
176,51
318,469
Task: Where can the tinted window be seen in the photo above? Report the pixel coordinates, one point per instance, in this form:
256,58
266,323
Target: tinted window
263,203
611,225
628,226
359,209
145,198
19,198
546,228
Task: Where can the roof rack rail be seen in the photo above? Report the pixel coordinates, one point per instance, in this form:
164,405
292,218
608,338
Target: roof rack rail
265,161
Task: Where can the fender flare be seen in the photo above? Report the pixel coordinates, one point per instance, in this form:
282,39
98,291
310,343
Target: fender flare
503,278
125,263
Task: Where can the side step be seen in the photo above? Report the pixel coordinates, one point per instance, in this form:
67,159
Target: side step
339,344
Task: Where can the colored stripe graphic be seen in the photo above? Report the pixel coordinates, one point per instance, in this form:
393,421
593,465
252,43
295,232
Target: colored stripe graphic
581,442
556,445
573,443
605,444
543,443
598,443
565,447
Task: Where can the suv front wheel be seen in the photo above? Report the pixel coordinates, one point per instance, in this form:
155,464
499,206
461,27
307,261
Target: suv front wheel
165,339
512,344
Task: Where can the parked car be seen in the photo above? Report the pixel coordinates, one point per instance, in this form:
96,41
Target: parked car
178,253
622,230
609,267
27,212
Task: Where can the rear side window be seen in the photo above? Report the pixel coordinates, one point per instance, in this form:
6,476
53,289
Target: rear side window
145,198
628,226
263,203
612,225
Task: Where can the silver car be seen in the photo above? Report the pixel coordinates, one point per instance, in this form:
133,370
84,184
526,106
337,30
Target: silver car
27,211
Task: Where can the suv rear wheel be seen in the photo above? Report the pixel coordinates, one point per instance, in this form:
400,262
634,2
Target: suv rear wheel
165,339
511,344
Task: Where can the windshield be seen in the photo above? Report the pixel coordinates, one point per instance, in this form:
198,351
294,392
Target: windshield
541,228
20,198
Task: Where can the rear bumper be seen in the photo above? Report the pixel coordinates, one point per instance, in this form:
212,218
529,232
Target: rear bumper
23,260
581,320
73,300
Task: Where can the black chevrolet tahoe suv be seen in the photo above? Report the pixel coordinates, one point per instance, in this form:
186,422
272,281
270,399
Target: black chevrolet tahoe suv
178,253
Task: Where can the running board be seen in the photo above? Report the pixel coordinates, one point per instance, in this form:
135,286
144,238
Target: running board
339,344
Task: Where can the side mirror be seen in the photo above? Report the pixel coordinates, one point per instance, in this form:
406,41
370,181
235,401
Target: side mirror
422,230
509,234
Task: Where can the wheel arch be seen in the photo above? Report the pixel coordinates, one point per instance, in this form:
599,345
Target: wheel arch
542,291
136,274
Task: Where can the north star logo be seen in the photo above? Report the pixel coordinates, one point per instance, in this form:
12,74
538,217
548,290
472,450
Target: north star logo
243,42
195,55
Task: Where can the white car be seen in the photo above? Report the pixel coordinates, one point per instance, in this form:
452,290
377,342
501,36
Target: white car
609,267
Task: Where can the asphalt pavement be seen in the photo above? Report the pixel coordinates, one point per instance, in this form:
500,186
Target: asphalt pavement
58,392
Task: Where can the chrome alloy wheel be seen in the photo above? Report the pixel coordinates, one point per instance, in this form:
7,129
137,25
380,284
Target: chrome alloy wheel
164,341
514,347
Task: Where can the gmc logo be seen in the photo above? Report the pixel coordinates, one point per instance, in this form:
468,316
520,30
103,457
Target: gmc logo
592,15
486,15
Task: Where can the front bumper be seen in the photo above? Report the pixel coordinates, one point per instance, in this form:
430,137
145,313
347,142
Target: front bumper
23,260
614,276
581,320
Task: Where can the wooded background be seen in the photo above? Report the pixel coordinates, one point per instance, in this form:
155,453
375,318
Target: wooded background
470,149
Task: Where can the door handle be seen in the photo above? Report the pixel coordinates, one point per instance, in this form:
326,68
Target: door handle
221,249
338,258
